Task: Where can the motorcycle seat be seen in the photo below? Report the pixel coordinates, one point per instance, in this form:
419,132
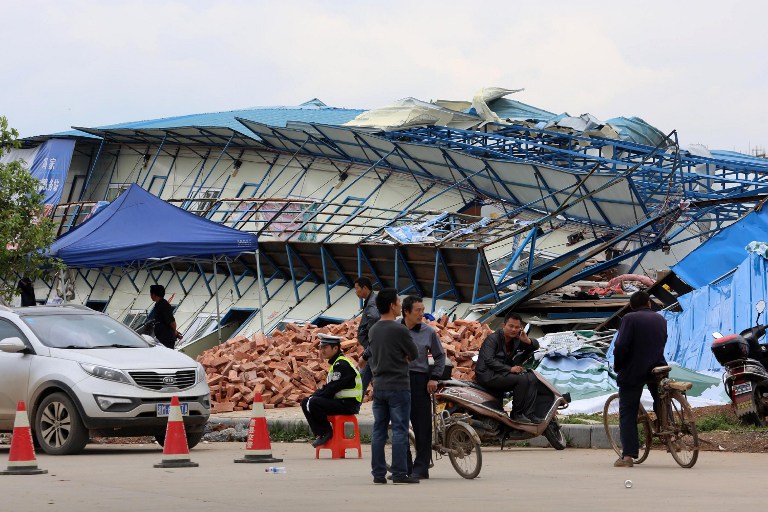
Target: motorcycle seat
465,383
475,385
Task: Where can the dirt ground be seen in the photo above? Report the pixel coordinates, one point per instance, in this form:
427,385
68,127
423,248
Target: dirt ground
746,440
738,440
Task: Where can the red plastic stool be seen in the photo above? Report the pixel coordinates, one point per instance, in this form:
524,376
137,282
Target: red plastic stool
339,443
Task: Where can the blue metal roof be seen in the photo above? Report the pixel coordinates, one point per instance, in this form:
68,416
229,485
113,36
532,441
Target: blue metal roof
738,157
274,116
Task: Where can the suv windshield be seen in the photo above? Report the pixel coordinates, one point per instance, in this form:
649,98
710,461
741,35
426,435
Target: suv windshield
82,331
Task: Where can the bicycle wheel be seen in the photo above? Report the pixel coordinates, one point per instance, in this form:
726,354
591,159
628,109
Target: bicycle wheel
683,440
644,432
464,450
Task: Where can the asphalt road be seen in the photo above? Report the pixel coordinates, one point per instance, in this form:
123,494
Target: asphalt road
121,478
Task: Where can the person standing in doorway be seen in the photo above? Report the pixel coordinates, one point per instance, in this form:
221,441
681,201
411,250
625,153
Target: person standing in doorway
638,349
162,315
369,316
423,383
391,351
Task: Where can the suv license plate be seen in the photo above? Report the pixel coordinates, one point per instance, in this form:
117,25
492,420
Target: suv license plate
740,389
164,410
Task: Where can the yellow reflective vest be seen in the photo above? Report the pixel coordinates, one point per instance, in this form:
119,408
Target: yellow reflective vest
357,391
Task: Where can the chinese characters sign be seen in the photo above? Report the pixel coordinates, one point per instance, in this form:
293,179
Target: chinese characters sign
50,167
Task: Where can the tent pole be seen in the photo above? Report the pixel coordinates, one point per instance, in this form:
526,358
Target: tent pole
258,288
216,291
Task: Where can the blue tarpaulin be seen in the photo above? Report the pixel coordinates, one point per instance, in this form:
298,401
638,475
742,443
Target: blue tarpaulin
139,226
727,306
48,163
723,252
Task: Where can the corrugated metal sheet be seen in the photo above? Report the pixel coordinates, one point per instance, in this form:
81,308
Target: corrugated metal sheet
273,116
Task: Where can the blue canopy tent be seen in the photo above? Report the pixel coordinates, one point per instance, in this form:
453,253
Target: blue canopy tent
139,228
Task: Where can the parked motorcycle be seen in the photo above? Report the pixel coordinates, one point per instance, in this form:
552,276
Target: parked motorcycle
745,361
492,423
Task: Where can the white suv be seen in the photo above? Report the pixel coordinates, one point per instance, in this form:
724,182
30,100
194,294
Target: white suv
82,373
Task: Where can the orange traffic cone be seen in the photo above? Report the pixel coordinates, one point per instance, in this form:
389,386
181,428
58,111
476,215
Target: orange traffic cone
21,460
258,448
175,449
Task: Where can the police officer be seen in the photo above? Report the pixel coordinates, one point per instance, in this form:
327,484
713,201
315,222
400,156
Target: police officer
341,395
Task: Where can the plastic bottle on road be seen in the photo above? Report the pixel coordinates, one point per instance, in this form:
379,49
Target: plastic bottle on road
275,469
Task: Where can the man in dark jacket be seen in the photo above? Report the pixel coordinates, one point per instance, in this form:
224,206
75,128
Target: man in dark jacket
341,394
369,316
499,367
162,315
27,290
638,349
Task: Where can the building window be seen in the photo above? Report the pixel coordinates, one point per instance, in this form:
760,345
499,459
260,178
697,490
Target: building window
135,318
115,190
204,200
203,325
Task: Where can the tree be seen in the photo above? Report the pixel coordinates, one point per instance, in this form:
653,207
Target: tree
25,233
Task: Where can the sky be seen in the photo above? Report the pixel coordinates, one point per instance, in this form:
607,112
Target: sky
698,67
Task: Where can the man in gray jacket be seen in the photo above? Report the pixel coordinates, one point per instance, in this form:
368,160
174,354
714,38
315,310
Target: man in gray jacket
369,316
423,383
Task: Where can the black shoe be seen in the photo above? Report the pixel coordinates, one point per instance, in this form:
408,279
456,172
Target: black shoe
320,441
405,480
379,480
421,477
536,419
521,418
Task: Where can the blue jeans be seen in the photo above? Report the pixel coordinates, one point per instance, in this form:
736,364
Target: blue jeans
394,406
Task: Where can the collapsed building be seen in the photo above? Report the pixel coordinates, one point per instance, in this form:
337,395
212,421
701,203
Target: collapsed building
478,206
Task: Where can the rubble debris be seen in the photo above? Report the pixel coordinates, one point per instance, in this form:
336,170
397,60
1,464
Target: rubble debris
286,367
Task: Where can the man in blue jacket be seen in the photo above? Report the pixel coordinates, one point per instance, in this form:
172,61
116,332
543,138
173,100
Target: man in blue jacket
638,349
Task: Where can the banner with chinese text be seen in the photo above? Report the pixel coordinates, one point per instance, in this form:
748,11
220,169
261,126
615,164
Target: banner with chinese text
49,163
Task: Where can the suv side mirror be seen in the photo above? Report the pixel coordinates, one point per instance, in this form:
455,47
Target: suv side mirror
149,339
12,345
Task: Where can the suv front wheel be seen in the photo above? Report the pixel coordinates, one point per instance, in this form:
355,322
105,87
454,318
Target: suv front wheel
58,427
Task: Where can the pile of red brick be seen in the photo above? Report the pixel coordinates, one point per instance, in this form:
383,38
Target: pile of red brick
286,366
